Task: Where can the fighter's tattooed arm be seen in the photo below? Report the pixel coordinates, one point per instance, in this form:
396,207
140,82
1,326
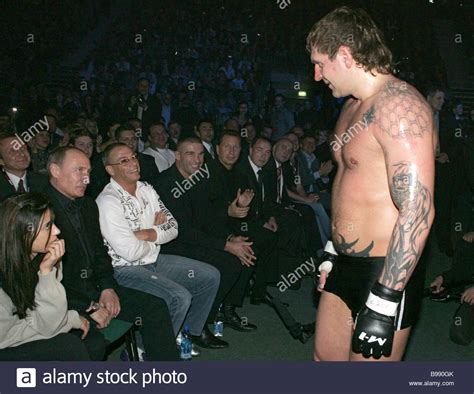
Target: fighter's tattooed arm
403,125
414,202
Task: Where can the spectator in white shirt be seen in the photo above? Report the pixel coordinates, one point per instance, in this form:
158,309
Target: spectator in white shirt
134,223
158,138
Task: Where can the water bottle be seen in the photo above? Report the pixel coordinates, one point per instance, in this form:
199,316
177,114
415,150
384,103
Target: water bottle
186,345
219,324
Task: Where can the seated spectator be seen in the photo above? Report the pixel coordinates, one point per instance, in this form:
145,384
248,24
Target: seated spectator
323,150
158,138
40,149
88,273
134,229
232,124
202,236
314,173
298,194
281,118
248,134
242,116
174,131
205,132
35,321
91,127
81,139
316,237
14,174
126,135
461,273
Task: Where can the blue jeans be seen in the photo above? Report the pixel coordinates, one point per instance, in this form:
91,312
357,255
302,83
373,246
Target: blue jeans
187,286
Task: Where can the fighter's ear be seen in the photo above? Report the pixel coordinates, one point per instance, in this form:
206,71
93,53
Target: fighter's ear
346,55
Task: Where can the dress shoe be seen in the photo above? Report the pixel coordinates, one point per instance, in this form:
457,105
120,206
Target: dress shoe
254,300
208,340
232,320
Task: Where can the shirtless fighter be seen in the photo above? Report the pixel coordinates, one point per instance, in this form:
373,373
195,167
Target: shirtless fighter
382,199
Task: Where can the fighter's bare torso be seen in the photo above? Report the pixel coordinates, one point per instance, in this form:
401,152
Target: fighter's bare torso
364,213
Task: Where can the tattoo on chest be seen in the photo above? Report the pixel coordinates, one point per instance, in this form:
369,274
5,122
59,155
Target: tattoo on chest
414,203
399,112
349,248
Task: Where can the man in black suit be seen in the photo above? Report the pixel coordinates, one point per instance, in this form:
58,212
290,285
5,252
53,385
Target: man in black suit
14,175
174,130
184,188
144,106
277,172
232,205
266,214
149,171
88,274
205,132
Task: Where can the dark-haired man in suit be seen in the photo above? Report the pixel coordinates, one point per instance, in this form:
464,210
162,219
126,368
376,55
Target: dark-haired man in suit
14,175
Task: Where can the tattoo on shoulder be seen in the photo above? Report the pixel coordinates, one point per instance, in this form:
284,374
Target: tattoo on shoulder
413,199
348,248
400,112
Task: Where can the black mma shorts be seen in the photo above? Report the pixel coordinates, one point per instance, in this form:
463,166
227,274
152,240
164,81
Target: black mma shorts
352,278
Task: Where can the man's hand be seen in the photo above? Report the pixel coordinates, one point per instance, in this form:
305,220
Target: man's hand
110,300
325,168
242,249
236,210
375,324
54,253
328,259
102,317
85,326
271,224
468,296
468,237
65,140
442,158
145,235
245,198
132,102
160,218
310,198
436,285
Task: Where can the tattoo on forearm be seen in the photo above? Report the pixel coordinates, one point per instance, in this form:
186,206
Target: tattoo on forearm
414,201
348,248
400,111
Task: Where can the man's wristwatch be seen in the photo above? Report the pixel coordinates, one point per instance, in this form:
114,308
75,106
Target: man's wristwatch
93,307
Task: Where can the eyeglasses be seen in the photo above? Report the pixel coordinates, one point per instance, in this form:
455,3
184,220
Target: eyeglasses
125,161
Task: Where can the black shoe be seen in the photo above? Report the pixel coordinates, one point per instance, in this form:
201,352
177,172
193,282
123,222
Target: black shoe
208,340
255,300
232,320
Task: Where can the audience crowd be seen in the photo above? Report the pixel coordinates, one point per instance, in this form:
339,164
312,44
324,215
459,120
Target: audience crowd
174,184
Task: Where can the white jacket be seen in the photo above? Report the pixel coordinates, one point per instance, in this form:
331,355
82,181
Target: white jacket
121,214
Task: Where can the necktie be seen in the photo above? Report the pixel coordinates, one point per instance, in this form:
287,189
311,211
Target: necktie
211,151
21,187
279,184
260,189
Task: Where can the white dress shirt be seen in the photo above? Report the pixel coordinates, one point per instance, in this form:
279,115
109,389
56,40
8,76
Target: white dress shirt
121,214
164,158
16,180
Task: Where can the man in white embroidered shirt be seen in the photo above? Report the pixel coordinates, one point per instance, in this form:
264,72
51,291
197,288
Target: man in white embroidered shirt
134,223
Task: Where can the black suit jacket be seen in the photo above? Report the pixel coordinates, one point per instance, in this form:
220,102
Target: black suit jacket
172,145
36,183
249,181
86,270
192,211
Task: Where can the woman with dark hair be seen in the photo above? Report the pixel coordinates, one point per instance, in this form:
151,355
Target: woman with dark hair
242,115
34,316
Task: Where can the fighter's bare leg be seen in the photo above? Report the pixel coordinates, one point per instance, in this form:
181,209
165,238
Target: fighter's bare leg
333,329
400,341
